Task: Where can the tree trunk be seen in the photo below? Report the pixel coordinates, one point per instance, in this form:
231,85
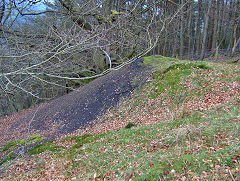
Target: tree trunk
233,40
182,33
205,29
175,44
211,25
216,27
190,31
231,27
2,10
198,29
235,45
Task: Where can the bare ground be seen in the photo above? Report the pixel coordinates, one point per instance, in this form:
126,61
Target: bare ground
75,110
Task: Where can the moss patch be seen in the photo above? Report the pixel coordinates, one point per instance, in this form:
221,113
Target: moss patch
170,78
12,144
9,157
186,66
157,58
80,141
44,147
34,136
16,144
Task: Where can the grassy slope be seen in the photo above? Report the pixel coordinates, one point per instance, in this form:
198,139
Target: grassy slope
186,126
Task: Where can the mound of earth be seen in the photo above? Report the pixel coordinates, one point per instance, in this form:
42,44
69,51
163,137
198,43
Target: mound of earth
79,108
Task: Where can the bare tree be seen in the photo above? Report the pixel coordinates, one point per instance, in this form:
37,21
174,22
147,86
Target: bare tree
68,44
49,48
205,29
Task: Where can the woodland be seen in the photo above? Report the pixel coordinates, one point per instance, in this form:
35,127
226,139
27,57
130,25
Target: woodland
51,47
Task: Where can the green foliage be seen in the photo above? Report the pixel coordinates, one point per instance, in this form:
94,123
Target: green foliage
155,172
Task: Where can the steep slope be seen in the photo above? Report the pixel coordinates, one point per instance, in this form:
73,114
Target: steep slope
77,109
183,125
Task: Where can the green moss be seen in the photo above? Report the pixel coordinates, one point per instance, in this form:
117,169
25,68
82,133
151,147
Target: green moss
237,78
186,66
77,83
150,59
100,19
87,26
112,15
44,147
35,136
77,138
128,56
30,140
170,78
37,140
78,20
9,157
81,140
157,58
169,59
110,18
86,81
81,22
12,144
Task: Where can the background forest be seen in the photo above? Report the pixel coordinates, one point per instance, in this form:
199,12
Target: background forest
50,47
